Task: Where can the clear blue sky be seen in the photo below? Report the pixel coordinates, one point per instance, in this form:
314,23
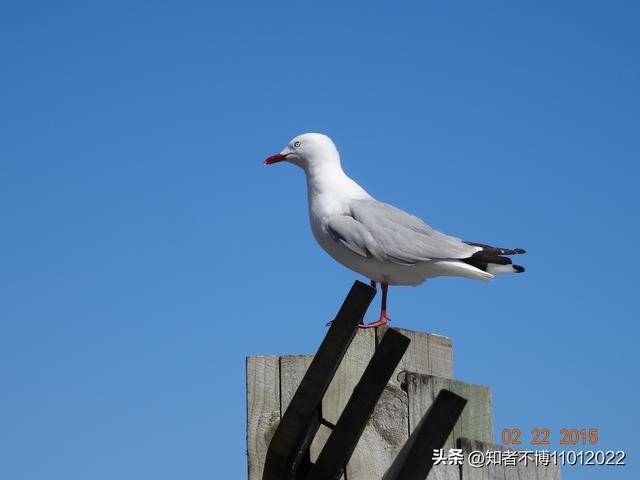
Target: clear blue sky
146,250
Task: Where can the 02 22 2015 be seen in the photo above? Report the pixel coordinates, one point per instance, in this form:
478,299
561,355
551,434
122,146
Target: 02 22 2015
540,436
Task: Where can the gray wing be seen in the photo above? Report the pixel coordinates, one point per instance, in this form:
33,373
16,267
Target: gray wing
382,231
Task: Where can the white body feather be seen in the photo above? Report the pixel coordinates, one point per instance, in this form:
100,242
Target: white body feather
330,192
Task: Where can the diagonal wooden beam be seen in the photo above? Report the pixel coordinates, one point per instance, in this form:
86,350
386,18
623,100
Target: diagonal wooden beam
288,452
415,460
347,431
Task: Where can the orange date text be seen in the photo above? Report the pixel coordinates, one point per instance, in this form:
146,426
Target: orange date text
541,436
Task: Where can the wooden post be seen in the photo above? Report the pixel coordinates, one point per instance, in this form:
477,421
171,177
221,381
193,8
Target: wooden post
425,369
263,409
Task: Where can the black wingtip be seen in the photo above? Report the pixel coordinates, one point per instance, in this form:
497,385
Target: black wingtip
496,250
518,268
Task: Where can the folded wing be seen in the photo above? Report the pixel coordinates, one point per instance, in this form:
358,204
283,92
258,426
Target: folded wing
382,231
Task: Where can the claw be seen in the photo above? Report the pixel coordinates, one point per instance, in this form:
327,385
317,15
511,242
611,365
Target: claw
378,323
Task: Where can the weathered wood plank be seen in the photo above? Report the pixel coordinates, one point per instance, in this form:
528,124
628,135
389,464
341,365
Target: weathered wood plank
472,473
428,354
358,411
476,420
520,471
348,375
415,460
440,356
292,369
386,433
263,409
444,472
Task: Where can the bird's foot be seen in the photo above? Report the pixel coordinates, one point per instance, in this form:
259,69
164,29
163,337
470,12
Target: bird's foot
378,323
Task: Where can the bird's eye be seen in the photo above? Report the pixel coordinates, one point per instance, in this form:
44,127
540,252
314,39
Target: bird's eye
296,144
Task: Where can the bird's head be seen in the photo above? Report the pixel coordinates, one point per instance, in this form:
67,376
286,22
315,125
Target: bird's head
308,151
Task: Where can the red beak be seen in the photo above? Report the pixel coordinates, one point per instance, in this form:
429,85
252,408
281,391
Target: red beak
275,159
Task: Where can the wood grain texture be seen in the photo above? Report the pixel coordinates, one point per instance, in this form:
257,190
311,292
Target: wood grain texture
428,354
444,472
440,356
520,471
292,369
263,409
348,375
382,439
476,420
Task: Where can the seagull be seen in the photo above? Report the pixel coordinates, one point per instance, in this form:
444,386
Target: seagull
377,240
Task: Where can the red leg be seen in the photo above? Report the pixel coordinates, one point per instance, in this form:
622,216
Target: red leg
383,310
